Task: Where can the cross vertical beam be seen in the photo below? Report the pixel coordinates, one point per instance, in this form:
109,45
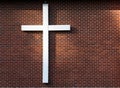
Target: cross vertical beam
45,44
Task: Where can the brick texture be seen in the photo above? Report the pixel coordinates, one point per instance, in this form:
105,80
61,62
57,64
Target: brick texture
86,56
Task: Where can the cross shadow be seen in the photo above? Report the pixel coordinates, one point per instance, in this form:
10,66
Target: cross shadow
52,45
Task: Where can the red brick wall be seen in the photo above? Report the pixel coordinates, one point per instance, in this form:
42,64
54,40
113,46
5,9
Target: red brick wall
88,55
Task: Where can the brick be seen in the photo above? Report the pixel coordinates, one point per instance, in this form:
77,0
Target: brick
87,56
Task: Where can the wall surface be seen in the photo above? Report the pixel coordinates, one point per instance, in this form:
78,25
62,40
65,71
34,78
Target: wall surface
86,56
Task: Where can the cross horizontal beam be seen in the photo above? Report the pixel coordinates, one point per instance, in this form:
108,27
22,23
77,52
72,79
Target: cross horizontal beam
50,28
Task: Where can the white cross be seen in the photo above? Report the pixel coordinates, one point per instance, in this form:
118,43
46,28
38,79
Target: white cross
45,28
